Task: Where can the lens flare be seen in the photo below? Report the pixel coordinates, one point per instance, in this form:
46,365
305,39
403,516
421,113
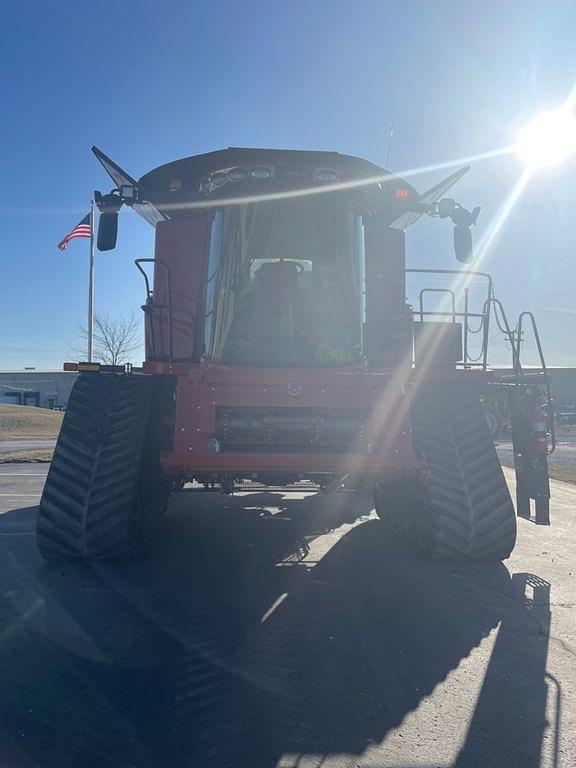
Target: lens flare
549,139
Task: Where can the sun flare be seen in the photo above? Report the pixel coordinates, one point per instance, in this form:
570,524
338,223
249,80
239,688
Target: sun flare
548,139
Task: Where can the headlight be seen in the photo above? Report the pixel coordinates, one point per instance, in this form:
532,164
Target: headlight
218,179
237,174
327,176
260,173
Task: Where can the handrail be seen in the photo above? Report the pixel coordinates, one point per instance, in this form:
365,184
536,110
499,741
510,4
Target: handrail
438,290
521,317
516,366
484,316
153,306
519,375
514,336
441,313
549,398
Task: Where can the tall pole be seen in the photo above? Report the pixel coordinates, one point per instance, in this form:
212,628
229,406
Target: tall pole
91,285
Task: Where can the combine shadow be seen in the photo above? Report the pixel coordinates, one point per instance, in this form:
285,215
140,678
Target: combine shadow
239,637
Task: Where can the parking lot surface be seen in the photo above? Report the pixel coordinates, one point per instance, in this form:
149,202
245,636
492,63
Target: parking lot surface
269,629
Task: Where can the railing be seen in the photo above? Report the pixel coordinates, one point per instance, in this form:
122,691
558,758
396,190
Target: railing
151,306
513,336
520,376
467,362
519,372
438,290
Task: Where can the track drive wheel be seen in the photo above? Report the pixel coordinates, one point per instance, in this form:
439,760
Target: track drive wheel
104,492
463,509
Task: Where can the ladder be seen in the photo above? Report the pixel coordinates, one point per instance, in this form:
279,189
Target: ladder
531,409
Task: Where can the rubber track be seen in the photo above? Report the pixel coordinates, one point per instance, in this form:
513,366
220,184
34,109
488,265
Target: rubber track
463,510
102,480
470,512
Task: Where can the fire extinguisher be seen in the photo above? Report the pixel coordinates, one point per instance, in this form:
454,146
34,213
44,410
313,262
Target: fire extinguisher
540,431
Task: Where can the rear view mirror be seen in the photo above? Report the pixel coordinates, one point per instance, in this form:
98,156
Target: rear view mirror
108,205
107,231
463,246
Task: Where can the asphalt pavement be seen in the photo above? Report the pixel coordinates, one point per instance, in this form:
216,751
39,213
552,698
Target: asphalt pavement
565,452
14,444
296,632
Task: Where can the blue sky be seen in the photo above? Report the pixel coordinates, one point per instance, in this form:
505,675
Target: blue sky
149,82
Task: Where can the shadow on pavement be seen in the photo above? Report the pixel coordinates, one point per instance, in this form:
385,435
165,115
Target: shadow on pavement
231,641
511,707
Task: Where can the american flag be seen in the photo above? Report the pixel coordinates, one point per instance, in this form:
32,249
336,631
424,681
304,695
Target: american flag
82,229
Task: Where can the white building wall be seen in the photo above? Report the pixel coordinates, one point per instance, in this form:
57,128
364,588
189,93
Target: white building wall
47,389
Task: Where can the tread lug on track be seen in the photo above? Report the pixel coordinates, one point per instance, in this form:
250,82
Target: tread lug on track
104,493
464,509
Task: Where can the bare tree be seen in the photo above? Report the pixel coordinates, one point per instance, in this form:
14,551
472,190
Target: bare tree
115,339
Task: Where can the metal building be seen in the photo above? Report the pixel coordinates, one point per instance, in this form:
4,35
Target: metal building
44,389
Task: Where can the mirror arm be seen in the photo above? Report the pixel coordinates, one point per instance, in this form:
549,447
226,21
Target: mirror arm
110,203
448,208
116,198
462,219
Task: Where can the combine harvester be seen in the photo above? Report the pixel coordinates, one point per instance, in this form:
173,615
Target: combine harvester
281,351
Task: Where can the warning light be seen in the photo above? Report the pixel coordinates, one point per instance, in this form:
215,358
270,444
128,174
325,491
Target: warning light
401,193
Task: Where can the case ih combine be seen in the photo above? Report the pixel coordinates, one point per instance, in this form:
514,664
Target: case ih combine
280,350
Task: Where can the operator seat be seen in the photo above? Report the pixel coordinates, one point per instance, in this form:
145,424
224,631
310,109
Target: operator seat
263,319
280,277
273,293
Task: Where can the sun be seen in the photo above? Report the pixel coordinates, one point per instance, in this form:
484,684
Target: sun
549,139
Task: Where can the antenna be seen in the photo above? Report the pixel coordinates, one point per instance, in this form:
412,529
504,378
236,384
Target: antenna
390,142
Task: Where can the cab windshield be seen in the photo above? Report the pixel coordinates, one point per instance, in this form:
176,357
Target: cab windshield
285,284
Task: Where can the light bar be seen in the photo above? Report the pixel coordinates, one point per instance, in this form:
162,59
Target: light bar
217,179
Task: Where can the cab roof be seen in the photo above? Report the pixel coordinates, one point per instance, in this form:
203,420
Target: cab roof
194,169
164,191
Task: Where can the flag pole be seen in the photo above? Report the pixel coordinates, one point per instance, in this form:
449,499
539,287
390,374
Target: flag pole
91,286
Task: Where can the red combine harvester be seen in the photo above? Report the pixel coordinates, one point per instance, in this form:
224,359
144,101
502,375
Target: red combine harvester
281,351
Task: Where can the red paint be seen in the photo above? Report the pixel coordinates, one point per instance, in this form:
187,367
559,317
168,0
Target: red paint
384,386
181,244
203,387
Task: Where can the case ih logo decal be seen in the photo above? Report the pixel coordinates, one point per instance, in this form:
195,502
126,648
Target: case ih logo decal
294,388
